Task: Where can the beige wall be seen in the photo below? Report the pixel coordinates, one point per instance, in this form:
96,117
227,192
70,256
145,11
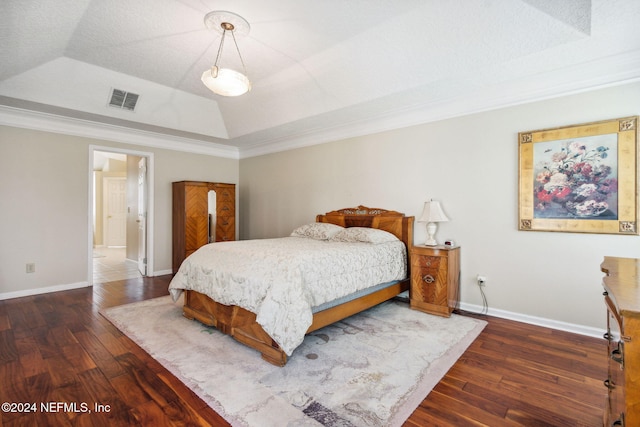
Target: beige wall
470,164
44,182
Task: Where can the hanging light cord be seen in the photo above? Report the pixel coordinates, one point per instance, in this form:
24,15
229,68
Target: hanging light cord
244,69
224,33
215,64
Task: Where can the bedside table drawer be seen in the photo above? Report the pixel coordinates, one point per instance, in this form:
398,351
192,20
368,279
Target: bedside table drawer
428,266
428,281
434,279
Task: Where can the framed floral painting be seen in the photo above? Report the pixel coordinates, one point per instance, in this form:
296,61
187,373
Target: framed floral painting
581,178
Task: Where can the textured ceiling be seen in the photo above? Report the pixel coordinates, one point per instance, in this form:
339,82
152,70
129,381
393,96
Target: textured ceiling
320,69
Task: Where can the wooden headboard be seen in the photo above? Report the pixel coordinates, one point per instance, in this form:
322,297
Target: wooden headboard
394,222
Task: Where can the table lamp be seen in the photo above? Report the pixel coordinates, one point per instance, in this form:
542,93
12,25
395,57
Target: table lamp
432,214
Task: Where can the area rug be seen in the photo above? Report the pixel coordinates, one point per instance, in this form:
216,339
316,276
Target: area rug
372,369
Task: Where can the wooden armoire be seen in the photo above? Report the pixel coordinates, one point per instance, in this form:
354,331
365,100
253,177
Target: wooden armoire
203,212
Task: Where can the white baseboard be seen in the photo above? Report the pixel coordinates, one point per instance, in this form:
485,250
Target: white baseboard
37,291
58,288
533,320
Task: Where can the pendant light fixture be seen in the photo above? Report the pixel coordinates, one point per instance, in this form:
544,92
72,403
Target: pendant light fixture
225,81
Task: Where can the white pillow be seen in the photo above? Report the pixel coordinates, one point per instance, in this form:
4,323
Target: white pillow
365,235
317,230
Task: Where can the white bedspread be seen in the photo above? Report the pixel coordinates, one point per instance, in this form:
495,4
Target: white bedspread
280,280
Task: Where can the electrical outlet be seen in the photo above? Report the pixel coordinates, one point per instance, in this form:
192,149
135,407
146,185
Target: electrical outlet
482,280
31,267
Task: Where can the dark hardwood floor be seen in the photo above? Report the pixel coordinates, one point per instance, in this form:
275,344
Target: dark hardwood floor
57,348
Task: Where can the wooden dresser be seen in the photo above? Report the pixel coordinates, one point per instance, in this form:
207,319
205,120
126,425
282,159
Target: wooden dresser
435,279
203,212
622,298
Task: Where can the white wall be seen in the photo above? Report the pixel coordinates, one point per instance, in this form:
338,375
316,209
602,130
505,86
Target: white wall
44,214
470,164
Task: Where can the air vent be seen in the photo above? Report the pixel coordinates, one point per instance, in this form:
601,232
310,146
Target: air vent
123,99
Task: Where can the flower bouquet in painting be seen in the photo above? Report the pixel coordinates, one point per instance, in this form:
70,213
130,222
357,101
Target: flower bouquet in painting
576,178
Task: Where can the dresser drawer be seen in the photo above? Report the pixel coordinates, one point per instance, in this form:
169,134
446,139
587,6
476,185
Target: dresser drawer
224,194
225,229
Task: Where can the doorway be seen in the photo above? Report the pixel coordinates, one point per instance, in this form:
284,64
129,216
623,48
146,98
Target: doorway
119,185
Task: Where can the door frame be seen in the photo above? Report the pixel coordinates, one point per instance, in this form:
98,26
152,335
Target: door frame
150,198
143,208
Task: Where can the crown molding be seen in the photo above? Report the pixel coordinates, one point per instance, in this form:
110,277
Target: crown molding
607,72
28,119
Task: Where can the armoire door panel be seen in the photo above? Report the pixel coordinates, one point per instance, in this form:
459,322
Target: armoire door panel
194,220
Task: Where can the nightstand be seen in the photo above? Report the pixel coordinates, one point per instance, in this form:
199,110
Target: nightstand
435,279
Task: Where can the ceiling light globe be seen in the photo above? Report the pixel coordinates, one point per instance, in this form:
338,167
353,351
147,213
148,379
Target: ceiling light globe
227,83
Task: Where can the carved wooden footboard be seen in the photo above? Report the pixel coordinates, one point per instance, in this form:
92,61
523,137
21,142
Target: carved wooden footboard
241,324
234,321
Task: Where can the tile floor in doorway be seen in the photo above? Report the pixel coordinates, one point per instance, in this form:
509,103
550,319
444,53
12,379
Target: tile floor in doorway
110,264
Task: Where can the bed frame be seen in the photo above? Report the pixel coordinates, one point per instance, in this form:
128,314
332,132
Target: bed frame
241,324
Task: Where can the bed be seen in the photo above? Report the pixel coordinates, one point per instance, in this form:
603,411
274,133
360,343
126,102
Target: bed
269,293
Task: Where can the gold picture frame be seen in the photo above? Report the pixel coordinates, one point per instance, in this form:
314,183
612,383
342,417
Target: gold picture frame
581,178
